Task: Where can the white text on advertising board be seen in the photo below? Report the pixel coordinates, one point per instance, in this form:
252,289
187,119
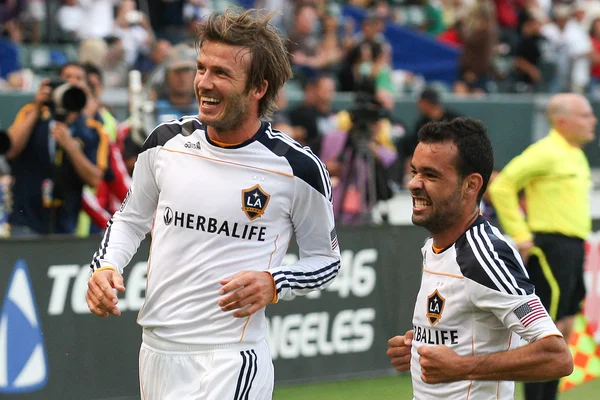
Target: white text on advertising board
322,333
290,336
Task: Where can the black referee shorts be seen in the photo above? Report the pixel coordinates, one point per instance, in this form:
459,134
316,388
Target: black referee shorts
556,269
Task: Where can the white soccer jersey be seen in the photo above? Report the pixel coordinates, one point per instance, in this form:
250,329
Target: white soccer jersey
215,211
475,298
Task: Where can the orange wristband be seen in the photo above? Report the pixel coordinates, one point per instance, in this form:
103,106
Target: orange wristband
274,300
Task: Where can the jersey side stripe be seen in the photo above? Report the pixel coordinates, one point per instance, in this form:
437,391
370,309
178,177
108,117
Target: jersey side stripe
499,261
101,252
274,134
483,265
307,151
491,263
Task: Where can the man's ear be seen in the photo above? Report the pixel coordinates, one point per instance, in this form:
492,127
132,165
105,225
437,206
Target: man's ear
473,184
259,92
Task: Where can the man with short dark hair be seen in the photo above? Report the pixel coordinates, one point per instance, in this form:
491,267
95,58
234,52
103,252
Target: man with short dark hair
476,299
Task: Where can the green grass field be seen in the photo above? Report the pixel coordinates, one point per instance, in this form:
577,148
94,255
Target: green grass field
395,388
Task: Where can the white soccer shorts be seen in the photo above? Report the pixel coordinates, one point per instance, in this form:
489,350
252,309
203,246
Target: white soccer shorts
171,372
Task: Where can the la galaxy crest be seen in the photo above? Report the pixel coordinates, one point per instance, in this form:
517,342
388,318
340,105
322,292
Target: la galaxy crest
254,202
435,307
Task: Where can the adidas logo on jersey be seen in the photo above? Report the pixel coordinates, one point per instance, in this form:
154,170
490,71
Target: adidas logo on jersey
23,364
190,145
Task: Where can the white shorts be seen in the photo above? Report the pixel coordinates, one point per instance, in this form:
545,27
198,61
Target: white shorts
169,371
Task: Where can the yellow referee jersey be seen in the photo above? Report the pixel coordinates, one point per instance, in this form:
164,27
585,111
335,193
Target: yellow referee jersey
557,181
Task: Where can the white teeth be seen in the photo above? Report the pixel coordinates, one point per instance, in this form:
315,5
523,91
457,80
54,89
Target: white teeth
210,100
422,203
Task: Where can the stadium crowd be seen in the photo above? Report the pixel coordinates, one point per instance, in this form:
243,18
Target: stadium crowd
515,46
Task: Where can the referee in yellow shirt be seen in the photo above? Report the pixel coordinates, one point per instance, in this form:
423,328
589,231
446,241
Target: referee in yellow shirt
556,177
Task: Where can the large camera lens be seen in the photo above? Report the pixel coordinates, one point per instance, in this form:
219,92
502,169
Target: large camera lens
66,97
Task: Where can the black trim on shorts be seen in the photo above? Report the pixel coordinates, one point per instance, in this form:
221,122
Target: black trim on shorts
247,375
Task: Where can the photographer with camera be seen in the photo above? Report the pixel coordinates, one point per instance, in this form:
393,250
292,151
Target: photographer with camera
358,155
56,149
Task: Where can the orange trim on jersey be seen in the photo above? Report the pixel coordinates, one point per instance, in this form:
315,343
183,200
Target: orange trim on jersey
275,299
444,274
147,270
437,250
473,354
229,162
225,144
245,326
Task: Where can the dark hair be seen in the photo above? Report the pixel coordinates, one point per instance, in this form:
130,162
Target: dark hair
250,29
431,95
91,69
69,64
475,153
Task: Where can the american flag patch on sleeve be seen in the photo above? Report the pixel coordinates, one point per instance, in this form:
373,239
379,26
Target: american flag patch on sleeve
530,312
334,239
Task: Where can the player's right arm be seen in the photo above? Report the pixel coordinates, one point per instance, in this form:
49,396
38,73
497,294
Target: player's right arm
125,231
504,190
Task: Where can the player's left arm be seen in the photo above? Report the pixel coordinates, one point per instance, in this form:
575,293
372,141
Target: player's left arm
312,217
545,359
314,227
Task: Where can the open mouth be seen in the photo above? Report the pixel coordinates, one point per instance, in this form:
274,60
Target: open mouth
209,101
420,203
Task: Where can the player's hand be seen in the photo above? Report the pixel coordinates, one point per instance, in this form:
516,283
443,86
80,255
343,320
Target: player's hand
247,292
524,249
439,364
101,297
399,351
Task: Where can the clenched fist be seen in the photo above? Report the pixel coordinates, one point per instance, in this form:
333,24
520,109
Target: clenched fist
399,351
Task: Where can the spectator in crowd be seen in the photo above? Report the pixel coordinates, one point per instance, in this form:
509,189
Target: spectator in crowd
53,155
98,19
176,97
572,47
133,28
69,18
303,42
315,115
10,57
150,62
479,38
556,177
431,109
528,55
595,55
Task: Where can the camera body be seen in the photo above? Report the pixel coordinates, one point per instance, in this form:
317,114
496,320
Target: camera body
366,109
65,98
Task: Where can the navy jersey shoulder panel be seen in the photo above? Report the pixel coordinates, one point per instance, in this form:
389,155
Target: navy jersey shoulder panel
305,165
164,132
488,260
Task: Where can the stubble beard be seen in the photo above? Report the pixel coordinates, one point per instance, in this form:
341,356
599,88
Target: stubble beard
236,110
444,218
